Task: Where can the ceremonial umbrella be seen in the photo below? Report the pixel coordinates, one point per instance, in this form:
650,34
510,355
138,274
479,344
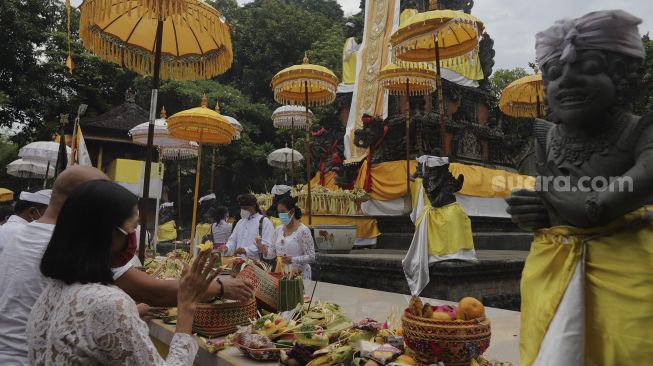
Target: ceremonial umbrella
307,85
407,78
6,195
280,158
523,97
162,139
292,117
206,126
443,36
27,168
45,152
169,39
178,153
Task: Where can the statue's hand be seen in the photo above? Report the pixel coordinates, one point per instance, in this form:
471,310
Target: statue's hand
527,210
567,197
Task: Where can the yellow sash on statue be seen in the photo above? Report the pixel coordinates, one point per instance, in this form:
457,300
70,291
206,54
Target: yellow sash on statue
618,284
167,231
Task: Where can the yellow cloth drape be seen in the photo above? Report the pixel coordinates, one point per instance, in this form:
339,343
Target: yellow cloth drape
449,229
329,181
618,288
471,69
366,228
167,231
389,180
406,14
349,59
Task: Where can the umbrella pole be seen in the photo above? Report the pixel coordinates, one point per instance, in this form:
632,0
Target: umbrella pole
440,96
292,147
407,136
179,188
309,204
150,140
197,187
213,171
285,171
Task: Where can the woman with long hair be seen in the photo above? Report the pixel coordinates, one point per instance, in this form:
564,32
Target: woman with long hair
221,230
292,243
81,317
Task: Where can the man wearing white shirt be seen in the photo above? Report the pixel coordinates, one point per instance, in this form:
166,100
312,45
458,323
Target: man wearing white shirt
30,207
252,225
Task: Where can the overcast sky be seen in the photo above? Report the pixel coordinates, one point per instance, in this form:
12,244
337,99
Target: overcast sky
513,23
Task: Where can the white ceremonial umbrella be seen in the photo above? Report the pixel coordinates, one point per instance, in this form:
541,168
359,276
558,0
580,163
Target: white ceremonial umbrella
281,158
27,168
42,151
291,116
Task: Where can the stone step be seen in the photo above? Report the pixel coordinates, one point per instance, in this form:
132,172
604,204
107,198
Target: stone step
482,240
493,279
403,224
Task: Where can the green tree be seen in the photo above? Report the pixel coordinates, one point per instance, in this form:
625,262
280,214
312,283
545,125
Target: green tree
643,103
501,78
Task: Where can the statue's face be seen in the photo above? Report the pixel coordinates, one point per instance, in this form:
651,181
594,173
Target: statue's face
581,93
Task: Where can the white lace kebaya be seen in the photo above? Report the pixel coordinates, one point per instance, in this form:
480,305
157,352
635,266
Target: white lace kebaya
94,324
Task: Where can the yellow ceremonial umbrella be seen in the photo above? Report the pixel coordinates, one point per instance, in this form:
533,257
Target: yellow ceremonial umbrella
443,36
6,195
206,126
523,97
407,78
172,39
308,85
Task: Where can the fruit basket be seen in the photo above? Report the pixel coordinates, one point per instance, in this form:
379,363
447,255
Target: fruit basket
215,320
265,354
452,342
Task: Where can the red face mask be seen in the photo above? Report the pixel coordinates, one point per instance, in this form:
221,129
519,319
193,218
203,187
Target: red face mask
123,257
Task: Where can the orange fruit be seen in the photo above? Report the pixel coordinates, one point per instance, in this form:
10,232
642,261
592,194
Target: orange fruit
469,308
437,315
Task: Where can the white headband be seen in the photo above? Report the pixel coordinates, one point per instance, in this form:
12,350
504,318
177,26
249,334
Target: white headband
42,196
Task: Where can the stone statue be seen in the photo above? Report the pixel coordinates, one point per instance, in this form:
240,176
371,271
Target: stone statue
349,54
167,213
592,134
440,185
486,55
593,243
386,138
463,5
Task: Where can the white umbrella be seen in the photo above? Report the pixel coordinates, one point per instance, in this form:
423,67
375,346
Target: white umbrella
187,151
162,136
237,126
291,116
282,157
26,168
42,151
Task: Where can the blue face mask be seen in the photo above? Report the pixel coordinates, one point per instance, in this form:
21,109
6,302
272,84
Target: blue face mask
284,217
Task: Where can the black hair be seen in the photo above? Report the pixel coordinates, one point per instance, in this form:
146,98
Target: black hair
290,204
22,206
220,213
80,248
5,212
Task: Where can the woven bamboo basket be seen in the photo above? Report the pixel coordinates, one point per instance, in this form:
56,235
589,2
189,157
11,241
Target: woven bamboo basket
266,286
453,343
215,320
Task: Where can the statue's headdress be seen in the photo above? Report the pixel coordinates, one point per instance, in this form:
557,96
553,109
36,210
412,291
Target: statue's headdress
606,30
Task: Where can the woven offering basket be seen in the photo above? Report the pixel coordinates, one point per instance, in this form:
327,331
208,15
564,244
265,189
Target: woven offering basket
265,285
215,320
266,354
453,342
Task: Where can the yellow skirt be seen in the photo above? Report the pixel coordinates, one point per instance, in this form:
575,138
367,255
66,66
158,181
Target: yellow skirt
618,284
